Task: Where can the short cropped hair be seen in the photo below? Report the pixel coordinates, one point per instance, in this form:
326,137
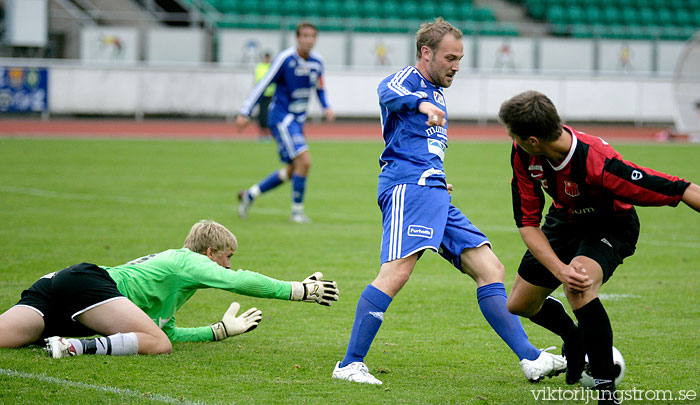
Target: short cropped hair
431,33
209,234
531,113
305,24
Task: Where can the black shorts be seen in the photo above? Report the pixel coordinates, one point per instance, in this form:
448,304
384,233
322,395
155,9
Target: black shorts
264,107
61,296
607,242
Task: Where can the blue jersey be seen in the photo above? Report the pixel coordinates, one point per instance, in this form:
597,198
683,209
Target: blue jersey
413,152
295,78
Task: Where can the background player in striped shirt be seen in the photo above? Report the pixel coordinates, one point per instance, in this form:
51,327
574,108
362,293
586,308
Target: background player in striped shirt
591,225
417,212
85,300
296,71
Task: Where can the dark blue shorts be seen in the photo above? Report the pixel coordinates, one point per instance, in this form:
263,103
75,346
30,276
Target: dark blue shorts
289,134
61,296
416,218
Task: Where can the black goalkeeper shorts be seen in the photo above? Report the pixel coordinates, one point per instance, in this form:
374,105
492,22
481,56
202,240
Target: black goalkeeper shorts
61,296
607,242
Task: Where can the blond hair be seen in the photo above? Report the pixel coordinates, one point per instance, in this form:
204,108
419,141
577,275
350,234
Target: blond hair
431,33
210,234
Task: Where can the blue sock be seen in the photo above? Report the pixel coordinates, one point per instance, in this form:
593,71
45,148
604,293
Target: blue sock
492,301
368,318
298,188
271,181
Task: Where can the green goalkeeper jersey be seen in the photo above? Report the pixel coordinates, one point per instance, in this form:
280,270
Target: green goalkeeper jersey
161,283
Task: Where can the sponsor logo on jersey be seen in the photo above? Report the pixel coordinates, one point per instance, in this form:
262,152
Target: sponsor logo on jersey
439,98
422,84
536,171
606,242
571,188
420,231
636,175
437,147
580,211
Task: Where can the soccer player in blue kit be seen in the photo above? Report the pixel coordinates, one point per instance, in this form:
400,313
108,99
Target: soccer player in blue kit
296,71
415,200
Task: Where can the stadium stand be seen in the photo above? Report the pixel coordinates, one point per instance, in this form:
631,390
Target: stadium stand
356,15
618,19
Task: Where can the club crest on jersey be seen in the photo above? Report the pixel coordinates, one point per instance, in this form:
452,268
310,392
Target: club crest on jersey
571,188
420,231
439,98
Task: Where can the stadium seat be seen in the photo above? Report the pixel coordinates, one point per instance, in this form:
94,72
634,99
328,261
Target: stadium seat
592,15
630,16
331,8
683,18
611,15
556,15
664,16
389,9
350,8
369,9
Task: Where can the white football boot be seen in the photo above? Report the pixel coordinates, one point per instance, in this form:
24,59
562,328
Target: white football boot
244,203
355,372
299,217
546,365
58,347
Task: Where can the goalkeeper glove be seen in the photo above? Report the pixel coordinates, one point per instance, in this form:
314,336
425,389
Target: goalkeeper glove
232,325
313,289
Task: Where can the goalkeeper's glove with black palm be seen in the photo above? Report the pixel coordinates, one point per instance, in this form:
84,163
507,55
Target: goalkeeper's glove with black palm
232,325
313,289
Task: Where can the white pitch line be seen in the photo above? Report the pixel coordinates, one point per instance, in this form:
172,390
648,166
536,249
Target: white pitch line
105,388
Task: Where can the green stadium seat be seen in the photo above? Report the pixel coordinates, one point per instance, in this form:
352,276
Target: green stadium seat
465,12
290,8
350,8
581,31
664,16
409,10
574,15
430,10
331,8
484,14
611,16
647,16
592,15
370,9
683,18
389,9
630,16
556,15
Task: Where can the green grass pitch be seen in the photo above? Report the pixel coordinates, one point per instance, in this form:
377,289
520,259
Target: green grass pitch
63,201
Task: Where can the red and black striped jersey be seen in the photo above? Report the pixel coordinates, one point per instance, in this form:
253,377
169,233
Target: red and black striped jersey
593,182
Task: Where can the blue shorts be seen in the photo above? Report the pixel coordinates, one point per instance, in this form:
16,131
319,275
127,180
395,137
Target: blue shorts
416,218
289,134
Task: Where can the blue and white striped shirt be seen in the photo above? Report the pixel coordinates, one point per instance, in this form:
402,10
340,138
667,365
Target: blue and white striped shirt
295,78
414,152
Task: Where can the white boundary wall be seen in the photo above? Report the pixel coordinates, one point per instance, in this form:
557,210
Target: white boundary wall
219,91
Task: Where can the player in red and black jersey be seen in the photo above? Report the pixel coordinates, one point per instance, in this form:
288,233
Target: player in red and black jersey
591,225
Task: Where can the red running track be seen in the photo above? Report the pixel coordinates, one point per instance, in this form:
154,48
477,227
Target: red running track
213,129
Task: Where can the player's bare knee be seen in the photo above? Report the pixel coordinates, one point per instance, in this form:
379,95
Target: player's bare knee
164,346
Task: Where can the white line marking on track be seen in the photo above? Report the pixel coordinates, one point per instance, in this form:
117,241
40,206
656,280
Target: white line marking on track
105,388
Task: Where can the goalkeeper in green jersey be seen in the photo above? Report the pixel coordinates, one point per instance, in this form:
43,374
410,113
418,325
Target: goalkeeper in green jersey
133,305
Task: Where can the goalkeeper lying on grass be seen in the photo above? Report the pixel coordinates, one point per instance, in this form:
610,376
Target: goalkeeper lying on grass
133,305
